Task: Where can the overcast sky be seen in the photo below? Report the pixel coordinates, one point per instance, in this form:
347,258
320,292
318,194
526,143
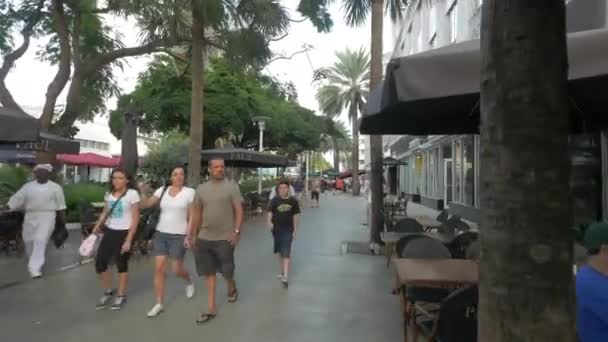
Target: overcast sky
29,79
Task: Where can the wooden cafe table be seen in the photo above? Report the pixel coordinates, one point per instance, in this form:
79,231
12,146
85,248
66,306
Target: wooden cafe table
435,273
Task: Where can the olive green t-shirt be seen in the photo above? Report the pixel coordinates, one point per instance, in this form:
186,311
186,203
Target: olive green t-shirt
216,199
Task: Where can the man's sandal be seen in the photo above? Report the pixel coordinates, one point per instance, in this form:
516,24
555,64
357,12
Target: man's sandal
234,296
204,318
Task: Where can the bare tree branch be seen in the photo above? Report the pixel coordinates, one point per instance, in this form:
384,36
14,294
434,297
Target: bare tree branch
6,98
287,57
278,38
65,60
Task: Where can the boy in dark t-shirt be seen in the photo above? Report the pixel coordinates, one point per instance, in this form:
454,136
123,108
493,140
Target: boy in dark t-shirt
283,215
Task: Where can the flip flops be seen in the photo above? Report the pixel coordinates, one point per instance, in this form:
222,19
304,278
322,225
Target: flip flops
204,318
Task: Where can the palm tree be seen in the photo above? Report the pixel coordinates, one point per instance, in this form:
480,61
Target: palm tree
525,202
345,86
245,27
336,138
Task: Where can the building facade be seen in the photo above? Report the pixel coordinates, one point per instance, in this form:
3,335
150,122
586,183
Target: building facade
443,171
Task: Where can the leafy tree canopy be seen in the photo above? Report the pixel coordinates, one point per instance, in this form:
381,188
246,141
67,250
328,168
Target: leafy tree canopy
233,96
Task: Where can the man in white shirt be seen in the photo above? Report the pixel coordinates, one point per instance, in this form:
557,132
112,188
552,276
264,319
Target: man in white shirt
42,200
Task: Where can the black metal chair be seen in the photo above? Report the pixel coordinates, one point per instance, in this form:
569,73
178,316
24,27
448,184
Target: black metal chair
459,245
11,224
408,225
457,318
473,251
424,248
443,216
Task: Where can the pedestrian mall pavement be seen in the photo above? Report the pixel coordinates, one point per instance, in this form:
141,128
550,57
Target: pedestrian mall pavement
332,296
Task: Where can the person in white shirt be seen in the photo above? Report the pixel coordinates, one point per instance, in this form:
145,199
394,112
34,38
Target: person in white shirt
43,202
118,223
170,239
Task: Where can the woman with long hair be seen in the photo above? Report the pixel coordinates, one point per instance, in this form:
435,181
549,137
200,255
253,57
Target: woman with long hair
118,224
170,239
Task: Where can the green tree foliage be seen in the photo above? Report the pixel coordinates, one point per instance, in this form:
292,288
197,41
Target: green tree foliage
233,96
170,151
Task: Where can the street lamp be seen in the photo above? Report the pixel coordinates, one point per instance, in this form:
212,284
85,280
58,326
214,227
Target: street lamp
260,121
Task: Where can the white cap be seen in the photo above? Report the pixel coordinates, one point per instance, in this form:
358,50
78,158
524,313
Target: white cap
47,167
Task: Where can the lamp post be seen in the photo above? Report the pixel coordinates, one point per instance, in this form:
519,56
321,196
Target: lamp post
260,121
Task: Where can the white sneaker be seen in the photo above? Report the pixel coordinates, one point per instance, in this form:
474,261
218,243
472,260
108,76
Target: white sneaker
36,274
190,290
280,276
156,310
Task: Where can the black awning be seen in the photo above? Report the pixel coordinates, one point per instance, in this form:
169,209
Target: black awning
46,142
16,126
437,92
237,157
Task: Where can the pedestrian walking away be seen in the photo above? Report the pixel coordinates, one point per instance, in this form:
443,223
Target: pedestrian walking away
44,205
171,237
219,214
316,191
283,217
118,224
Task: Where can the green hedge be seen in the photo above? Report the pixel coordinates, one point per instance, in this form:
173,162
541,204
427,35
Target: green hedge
76,193
251,184
12,179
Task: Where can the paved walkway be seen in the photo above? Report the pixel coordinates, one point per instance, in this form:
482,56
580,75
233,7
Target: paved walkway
332,297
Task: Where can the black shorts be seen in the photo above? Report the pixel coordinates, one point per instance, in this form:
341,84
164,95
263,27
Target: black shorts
108,251
213,257
314,195
282,242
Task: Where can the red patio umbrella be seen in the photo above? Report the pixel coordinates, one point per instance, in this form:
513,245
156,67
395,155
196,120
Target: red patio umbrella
88,159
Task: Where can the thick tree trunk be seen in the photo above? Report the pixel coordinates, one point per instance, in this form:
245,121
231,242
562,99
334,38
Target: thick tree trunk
526,283
355,154
376,184
65,59
196,116
336,148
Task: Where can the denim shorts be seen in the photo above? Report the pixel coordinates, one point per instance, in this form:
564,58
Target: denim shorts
171,245
282,242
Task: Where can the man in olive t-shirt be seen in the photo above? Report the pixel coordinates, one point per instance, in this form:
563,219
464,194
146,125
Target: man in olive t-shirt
219,215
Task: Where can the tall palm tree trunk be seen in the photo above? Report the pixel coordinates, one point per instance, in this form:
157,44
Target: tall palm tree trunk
526,283
355,155
196,115
376,186
336,148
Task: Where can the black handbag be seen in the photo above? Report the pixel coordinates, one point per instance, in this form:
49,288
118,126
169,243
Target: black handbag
60,233
149,220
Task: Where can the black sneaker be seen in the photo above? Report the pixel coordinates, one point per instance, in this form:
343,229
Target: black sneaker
103,300
119,302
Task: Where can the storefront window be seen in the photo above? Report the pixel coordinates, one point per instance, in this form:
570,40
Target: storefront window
469,170
457,171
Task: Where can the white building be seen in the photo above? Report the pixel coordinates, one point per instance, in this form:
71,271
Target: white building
443,171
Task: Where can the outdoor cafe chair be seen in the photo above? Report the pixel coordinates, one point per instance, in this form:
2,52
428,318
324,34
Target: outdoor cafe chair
408,225
461,243
423,248
443,216
10,232
456,320
473,250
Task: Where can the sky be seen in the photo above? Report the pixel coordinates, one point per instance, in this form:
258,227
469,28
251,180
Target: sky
29,79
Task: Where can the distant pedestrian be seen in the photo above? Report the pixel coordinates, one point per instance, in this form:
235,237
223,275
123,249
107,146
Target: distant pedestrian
316,191
283,216
340,184
118,223
171,237
44,204
219,210
298,187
